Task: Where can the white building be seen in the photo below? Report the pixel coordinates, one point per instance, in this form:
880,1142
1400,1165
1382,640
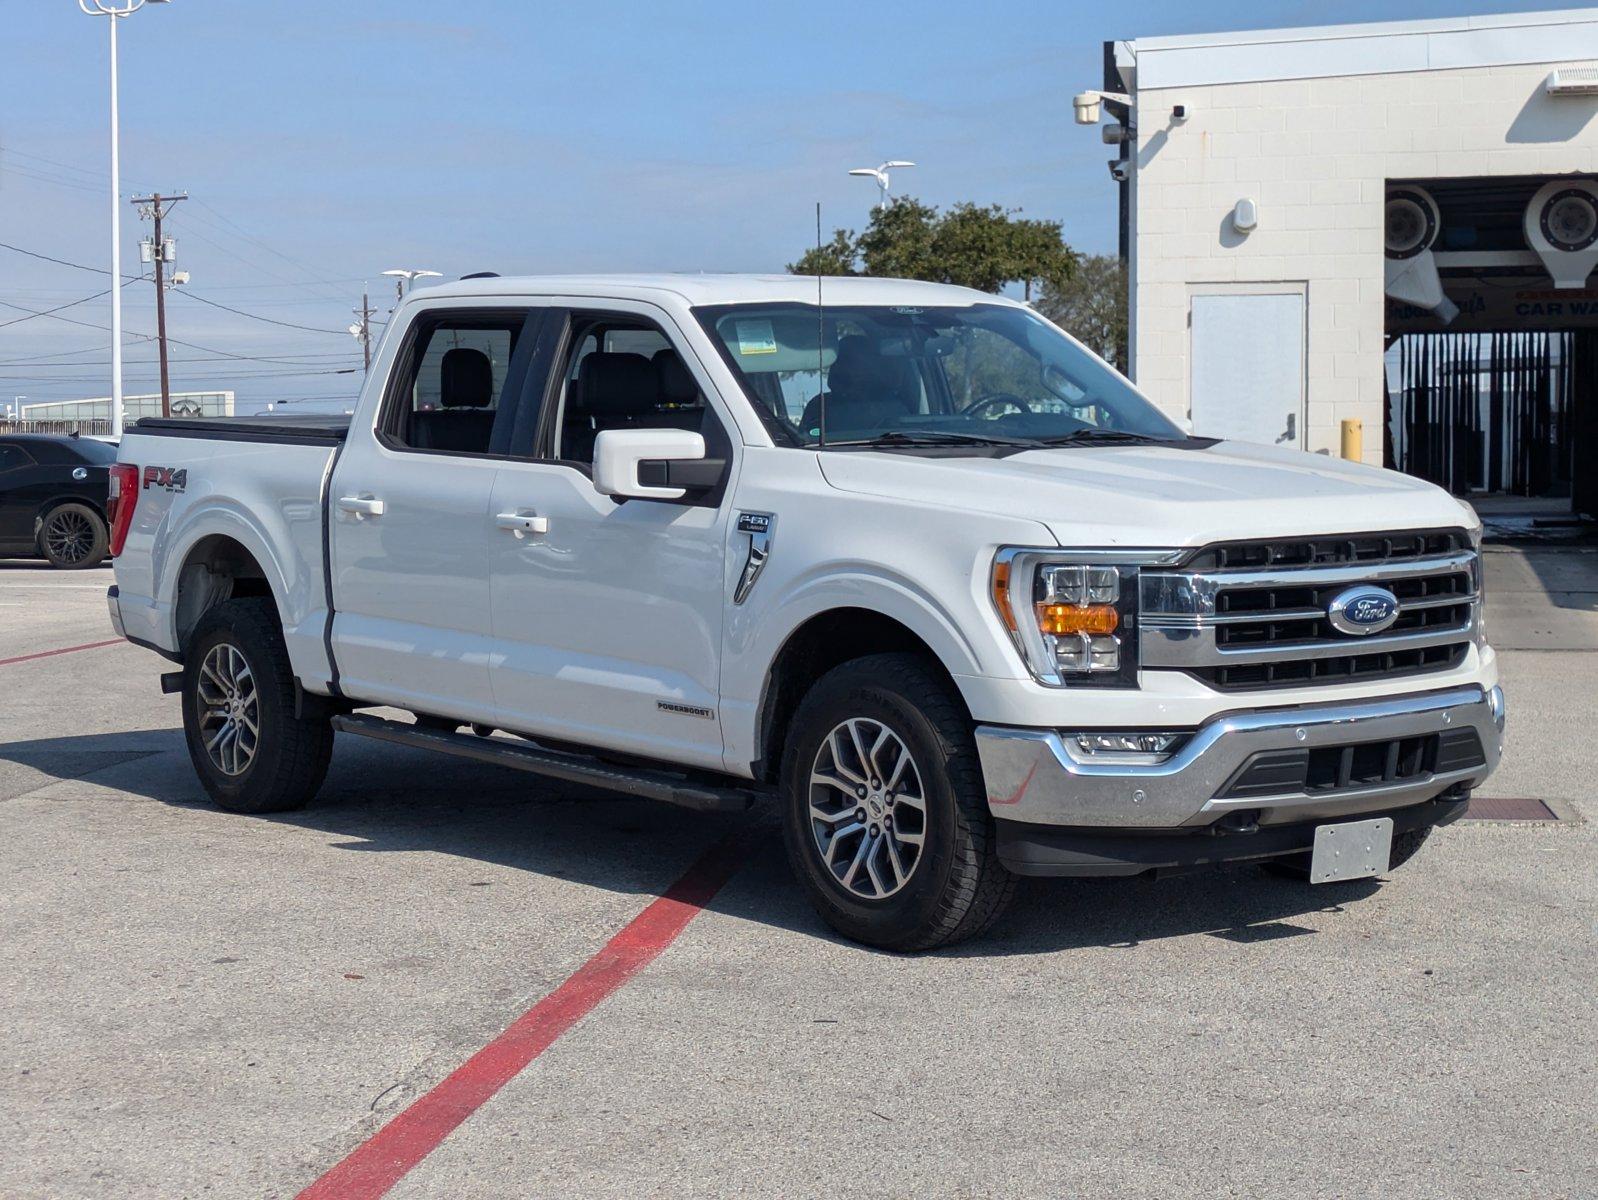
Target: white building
98,409
1296,201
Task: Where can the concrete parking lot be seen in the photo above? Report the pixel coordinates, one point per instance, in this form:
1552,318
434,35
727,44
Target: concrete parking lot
198,1004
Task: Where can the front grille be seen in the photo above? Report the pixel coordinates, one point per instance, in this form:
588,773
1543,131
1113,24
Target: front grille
1351,668
1375,549
1330,770
1254,615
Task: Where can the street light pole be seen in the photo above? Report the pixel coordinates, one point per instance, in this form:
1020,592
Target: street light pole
880,174
404,279
105,8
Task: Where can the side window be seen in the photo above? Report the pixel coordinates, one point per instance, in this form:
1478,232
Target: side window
448,388
12,457
622,372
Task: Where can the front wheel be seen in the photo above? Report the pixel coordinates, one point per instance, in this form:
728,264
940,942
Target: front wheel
72,537
886,820
251,752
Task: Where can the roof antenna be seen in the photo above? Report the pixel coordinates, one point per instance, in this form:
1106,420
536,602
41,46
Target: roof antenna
821,336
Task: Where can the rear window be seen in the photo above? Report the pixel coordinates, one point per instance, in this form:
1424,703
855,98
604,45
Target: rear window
101,454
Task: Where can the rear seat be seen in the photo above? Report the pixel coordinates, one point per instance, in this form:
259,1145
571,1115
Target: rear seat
463,421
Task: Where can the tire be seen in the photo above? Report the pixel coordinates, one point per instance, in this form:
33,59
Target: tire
1405,846
73,537
955,887
236,662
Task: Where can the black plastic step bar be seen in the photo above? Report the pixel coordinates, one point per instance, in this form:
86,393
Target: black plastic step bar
525,756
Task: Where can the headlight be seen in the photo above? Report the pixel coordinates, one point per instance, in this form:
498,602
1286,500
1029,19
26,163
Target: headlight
1073,622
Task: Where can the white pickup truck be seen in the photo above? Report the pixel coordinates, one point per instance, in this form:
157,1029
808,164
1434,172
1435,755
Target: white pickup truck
909,562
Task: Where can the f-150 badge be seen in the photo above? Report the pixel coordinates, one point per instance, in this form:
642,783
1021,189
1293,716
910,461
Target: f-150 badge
758,526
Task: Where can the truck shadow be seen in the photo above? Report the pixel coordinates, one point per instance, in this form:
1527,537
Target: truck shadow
381,799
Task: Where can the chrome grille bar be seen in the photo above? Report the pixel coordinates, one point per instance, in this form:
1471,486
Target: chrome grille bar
1281,635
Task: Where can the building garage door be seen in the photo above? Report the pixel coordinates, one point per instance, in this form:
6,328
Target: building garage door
1248,366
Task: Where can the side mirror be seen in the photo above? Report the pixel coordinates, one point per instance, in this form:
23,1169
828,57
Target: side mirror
653,464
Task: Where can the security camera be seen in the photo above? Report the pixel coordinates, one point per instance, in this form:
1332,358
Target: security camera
1087,105
1411,224
1561,225
1118,170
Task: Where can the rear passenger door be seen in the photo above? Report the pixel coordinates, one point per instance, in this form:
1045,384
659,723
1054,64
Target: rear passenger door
607,616
411,522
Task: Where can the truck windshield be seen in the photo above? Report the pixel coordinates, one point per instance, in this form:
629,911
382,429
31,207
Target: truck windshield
902,375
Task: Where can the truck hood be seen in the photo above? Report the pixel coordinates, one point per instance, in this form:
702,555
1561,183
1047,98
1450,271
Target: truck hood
1157,496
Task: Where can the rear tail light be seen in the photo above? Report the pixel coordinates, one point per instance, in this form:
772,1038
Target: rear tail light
122,499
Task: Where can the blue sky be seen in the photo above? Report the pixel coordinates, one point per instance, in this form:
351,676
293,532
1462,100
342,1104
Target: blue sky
324,142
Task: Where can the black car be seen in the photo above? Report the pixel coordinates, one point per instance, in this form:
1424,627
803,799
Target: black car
52,498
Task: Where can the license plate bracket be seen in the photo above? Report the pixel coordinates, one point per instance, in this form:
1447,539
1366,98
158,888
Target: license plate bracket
1351,850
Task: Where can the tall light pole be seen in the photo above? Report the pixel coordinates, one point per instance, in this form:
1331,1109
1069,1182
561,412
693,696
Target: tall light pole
880,174
403,279
115,12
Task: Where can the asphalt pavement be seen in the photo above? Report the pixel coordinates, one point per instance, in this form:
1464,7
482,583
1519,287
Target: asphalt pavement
475,969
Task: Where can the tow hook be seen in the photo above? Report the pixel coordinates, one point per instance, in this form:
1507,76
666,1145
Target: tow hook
1246,821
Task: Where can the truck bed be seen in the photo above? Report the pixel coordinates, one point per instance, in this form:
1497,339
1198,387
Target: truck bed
264,427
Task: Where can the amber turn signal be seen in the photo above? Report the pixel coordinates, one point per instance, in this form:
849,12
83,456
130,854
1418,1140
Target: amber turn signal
1062,620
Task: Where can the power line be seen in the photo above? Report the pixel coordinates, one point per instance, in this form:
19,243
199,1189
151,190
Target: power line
51,312
148,337
259,317
191,295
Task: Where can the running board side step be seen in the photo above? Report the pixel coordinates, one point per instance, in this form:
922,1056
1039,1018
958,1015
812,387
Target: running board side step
526,756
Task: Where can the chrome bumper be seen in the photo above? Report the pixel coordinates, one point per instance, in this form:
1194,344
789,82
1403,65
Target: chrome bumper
1039,776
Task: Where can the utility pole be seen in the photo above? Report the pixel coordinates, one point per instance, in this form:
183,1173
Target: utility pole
363,330
161,253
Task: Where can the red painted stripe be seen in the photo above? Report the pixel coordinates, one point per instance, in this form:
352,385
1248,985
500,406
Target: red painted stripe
381,1161
6,662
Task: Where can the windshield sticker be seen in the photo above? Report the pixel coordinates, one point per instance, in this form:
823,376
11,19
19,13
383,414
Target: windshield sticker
756,337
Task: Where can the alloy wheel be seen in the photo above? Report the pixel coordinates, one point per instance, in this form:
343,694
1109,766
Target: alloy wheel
69,536
868,808
230,711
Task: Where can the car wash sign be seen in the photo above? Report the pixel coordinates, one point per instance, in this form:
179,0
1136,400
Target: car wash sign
1487,307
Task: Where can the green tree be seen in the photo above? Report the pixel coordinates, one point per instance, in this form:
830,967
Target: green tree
1091,306
986,248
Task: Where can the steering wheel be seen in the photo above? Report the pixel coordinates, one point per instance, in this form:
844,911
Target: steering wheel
994,400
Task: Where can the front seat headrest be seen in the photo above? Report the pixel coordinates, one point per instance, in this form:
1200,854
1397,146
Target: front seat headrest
617,384
677,384
465,379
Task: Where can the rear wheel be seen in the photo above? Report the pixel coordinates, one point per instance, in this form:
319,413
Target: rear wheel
249,749
72,537
885,818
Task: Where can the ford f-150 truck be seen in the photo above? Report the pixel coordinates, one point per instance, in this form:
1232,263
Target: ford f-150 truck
903,559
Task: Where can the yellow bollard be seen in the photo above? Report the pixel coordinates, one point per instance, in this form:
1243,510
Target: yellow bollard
1353,439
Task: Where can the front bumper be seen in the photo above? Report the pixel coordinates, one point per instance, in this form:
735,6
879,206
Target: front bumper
1038,776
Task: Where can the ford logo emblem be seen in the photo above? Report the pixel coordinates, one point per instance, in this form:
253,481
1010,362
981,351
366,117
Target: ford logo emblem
1362,610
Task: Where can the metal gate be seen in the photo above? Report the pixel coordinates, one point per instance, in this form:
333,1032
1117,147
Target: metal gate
1496,412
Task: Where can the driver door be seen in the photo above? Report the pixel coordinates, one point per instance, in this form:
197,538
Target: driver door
607,616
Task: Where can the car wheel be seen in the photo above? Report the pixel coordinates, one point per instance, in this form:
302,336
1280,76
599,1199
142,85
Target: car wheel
886,820
72,537
252,754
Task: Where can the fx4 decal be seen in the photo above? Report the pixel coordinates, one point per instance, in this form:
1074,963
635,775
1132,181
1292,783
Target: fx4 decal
166,478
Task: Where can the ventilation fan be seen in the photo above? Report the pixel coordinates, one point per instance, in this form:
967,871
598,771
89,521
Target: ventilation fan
1412,224
1562,227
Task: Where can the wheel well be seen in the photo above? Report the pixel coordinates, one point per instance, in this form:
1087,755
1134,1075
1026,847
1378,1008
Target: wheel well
55,502
217,569
825,641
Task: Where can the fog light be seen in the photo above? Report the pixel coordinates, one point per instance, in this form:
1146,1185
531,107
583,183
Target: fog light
1108,745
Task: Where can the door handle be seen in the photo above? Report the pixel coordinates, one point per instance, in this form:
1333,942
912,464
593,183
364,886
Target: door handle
361,506
522,523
